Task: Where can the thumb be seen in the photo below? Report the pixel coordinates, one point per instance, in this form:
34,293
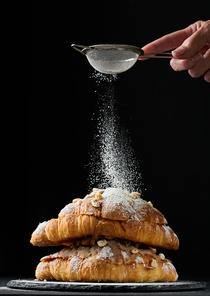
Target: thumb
194,43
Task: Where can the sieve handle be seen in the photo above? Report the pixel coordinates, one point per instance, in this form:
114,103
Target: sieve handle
156,55
77,46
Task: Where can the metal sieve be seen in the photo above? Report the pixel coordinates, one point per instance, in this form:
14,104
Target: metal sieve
115,58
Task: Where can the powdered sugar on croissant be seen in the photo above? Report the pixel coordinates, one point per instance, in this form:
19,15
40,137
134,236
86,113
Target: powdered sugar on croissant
111,212
116,260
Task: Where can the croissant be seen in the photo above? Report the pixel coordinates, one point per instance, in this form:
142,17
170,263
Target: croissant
110,212
109,260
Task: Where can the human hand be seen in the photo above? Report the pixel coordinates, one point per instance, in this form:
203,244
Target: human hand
192,51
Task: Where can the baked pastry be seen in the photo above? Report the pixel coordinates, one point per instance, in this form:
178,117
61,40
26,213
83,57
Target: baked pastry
106,234
106,260
111,212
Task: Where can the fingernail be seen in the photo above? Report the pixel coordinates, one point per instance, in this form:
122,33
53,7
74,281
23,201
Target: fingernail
179,51
197,57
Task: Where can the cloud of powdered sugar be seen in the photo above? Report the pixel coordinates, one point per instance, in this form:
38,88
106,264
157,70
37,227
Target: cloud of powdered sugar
113,162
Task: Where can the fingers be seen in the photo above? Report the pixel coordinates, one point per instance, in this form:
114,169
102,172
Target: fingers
207,76
172,40
192,51
166,42
197,66
185,64
189,55
202,67
194,42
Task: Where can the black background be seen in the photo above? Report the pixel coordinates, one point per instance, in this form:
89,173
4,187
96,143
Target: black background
166,113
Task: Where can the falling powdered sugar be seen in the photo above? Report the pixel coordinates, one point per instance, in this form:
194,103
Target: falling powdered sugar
99,77
113,161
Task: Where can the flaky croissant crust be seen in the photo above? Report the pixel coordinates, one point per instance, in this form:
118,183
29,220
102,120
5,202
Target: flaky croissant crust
113,261
110,212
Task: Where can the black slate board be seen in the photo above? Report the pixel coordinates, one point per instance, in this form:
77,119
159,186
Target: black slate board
104,287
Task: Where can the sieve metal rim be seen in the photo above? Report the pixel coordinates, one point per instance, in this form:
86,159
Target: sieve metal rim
84,49
124,47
